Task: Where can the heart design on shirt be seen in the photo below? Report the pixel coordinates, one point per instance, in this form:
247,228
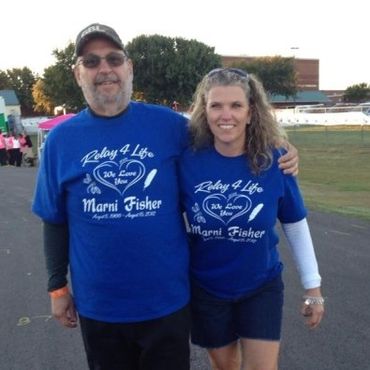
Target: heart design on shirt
119,177
225,208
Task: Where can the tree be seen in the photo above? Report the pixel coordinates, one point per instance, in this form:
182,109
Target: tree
168,69
58,82
4,81
43,104
357,93
21,81
276,73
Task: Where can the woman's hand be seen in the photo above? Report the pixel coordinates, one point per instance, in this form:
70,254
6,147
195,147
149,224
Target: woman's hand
313,307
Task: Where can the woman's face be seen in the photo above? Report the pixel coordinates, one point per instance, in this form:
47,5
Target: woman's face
228,113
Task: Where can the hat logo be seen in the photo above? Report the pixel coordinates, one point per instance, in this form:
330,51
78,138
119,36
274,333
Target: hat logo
89,30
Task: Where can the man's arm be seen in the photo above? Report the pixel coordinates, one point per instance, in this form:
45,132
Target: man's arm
56,250
288,162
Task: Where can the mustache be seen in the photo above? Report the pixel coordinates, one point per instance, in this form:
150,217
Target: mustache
105,78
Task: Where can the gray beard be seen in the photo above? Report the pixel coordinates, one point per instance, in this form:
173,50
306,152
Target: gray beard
109,104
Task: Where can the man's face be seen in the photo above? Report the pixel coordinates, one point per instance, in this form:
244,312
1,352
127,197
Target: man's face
106,83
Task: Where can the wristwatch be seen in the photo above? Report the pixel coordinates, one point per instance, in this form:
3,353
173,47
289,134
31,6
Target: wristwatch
309,300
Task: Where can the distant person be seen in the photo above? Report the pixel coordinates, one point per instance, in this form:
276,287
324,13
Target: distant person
11,122
175,105
234,192
22,142
107,192
16,152
18,126
3,154
11,152
26,149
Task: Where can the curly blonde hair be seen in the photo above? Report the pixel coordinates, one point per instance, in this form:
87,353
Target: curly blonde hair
262,134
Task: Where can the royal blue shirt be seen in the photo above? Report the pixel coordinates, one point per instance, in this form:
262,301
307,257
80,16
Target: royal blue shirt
231,215
114,181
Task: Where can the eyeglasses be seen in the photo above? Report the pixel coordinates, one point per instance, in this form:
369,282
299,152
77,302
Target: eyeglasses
237,71
93,61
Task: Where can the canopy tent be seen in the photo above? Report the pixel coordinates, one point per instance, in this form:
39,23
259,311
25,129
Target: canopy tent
46,126
52,122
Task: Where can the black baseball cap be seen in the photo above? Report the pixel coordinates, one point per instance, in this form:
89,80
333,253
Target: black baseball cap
96,30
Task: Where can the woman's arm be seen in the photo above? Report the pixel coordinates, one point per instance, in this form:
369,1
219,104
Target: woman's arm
301,246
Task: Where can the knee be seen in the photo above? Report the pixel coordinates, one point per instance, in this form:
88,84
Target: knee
226,363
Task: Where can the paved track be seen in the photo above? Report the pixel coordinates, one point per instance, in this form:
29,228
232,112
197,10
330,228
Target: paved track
31,340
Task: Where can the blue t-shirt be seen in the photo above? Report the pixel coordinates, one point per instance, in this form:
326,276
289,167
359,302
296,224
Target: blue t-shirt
231,215
114,181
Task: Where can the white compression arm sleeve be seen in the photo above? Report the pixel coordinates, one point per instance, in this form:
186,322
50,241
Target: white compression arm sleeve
301,246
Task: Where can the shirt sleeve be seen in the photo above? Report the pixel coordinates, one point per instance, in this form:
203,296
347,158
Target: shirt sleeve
291,204
301,246
56,250
49,198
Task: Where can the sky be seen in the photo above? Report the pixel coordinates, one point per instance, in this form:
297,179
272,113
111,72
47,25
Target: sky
336,34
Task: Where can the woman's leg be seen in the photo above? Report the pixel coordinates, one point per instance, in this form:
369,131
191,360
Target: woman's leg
225,358
259,326
259,354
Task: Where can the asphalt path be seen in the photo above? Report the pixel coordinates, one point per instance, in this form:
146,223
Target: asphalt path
31,340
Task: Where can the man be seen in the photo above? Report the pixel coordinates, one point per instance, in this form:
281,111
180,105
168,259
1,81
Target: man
107,193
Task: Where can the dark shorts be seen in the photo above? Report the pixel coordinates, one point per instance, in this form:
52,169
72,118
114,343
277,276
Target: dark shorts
160,344
217,322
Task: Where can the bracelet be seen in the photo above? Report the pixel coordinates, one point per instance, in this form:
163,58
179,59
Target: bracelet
59,292
308,300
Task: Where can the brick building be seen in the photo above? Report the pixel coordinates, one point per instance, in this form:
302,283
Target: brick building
307,70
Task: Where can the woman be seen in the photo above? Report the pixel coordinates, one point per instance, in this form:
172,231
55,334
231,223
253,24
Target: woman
11,151
26,149
3,154
233,193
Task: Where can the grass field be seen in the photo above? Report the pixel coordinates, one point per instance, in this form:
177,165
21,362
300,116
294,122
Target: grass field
334,168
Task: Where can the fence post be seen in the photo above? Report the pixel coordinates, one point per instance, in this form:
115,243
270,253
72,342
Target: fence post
362,134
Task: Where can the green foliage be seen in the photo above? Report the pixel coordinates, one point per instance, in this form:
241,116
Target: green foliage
168,69
59,83
21,81
5,83
276,73
357,93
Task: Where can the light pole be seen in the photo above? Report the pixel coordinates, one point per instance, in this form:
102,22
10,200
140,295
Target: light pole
294,48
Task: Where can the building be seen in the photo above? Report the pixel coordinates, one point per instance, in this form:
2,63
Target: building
11,114
336,96
3,125
307,70
311,97
12,105
308,78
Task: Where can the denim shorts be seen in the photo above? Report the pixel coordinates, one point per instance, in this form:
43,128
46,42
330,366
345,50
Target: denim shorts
217,322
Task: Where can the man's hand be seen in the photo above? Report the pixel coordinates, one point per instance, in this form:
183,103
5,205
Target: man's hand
289,161
63,309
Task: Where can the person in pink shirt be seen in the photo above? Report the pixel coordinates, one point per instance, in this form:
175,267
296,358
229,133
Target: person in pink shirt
9,144
3,155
